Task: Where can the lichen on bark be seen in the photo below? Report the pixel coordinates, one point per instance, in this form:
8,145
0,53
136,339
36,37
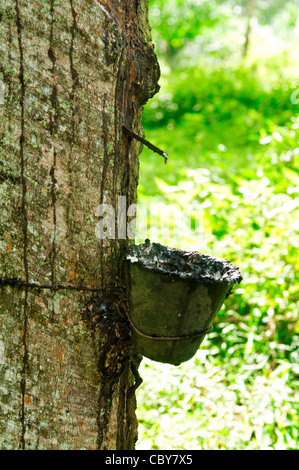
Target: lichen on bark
74,72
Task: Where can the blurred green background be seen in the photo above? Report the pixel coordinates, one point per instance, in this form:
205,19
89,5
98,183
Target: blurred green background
228,115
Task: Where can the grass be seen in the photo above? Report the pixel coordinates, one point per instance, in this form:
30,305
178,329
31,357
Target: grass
233,144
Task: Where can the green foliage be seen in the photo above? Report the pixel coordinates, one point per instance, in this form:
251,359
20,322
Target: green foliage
190,28
232,134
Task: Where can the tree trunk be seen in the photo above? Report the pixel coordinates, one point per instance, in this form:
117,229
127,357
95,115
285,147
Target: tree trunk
73,73
250,7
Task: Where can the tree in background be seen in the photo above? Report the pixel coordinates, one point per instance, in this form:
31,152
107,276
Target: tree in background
193,28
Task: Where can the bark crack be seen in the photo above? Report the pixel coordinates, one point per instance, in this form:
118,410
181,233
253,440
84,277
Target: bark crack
25,224
118,118
54,115
105,144
104,171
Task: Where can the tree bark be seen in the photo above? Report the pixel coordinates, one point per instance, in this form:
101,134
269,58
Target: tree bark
74,73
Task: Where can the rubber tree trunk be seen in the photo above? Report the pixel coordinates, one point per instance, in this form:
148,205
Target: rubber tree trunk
73,72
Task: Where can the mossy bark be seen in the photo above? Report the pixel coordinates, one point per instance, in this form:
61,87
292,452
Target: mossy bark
73,72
